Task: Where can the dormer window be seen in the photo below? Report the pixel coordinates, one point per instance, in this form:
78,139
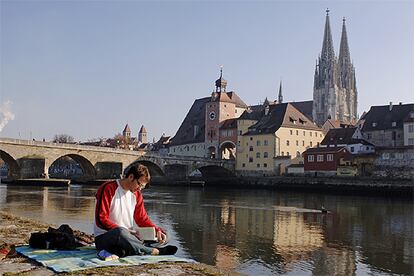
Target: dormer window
394,124
292,120
302,121
374,124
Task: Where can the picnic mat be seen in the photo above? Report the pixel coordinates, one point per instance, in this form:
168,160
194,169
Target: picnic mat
85,258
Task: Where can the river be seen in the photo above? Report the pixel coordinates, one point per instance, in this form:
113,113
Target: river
257,232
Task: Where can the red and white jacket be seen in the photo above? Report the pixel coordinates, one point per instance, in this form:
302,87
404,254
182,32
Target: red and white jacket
116,207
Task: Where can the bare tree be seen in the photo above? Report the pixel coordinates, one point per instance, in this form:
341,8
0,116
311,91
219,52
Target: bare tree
63,138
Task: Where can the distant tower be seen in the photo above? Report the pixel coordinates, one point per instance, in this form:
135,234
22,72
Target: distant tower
280,97
334,90
127,132
142,135
221,83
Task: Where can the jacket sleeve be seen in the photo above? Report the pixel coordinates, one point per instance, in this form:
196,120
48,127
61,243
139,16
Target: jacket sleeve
140,215
103,204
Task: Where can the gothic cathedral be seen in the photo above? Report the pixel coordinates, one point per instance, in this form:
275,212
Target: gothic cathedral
334,90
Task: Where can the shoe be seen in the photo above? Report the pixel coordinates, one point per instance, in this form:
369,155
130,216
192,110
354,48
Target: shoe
168,250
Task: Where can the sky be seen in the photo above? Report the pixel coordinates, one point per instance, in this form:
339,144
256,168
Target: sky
86,68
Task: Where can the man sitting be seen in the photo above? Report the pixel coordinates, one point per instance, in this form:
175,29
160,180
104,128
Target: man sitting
119,209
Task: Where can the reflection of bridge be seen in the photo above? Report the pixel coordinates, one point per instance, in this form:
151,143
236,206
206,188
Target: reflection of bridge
32,159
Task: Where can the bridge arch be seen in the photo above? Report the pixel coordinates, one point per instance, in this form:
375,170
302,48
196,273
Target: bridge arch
154,168
14,169
89,172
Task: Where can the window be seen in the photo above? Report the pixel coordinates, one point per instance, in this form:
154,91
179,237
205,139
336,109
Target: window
244,165
265,154
287,153
310,132
258,165
283,153
310,143
265,165
240,132
394,124
320,135
251,148
287,142
250,159
411,141
265,142
411,128
374,124
352,149
310,158
316,134
303,143
291,132
258,143
297,154
369,136
304,133
257,154
329,157
297,132
297,143
319,158
251,138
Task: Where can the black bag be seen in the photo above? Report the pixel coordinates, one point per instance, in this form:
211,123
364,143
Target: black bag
61,238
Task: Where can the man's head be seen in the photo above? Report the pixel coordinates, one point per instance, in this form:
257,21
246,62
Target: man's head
136,178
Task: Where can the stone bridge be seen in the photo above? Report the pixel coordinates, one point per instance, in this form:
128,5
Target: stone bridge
32,159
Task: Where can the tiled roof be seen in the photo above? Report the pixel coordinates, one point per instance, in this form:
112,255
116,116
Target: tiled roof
305,107
196,116
285,115
254,112
229,124
230,97
381,117
126,128
340,136
324,150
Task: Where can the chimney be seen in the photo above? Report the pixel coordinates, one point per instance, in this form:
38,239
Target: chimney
390,106
400,103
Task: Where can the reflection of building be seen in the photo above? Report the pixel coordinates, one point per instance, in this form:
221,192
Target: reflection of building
334,261
293,237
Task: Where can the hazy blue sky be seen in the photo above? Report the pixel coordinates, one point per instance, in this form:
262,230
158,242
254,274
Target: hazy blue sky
86,68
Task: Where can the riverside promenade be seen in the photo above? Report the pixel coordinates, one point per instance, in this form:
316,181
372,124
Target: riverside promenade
16,231
359,185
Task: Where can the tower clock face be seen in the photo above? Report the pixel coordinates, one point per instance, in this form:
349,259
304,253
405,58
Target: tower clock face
212,115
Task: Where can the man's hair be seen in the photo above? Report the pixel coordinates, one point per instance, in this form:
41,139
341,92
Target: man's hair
137,171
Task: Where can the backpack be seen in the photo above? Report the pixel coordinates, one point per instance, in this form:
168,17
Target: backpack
61,238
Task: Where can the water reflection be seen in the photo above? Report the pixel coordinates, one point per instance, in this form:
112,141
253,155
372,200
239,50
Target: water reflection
256,232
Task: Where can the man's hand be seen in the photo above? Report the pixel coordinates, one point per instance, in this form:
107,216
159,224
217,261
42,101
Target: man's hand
161,237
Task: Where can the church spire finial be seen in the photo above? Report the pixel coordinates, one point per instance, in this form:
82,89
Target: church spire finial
327,11
221,83
280,97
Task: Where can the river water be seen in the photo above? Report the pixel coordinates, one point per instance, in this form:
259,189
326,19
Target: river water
257,232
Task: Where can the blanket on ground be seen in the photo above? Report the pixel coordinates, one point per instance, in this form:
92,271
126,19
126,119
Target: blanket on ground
85,258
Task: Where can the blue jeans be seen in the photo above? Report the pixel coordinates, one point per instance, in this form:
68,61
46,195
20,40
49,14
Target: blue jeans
121,242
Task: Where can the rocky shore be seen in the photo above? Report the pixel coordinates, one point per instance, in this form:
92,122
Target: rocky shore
16,231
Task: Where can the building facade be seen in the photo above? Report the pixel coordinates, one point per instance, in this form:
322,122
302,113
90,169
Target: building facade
209,129
271,135
334,91
387,125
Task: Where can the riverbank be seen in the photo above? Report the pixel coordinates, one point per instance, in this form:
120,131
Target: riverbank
16,231
341,185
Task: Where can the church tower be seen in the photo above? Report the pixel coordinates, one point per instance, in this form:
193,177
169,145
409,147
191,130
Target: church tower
142,136
334,90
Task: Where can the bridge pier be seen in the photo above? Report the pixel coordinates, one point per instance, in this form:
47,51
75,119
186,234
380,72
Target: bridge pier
32,168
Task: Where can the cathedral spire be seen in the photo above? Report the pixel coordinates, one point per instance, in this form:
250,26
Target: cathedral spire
344,56
328,53
280,97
